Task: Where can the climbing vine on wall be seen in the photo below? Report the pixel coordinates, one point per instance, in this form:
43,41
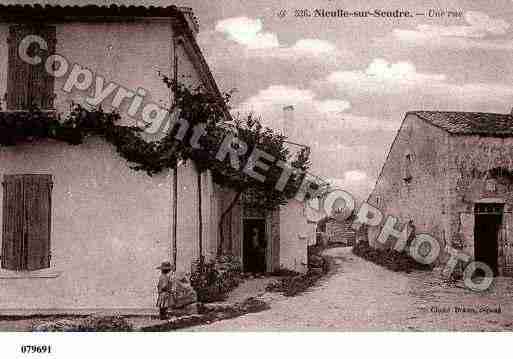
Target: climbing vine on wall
196,107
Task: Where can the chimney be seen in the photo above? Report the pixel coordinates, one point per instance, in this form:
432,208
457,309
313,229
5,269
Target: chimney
288,121
192,20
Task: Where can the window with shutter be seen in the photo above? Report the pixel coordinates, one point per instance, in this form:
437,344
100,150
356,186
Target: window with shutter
26,222
30,86
12,228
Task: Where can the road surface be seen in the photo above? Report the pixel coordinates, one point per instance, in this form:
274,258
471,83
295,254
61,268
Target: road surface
361,296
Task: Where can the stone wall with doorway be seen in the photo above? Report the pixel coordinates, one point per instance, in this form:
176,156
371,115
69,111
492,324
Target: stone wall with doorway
479,172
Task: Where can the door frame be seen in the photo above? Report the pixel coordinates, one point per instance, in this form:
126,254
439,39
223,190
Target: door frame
500,231
268,238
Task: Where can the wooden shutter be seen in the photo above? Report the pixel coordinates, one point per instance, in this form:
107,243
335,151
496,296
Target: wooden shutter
12,234
26,222
37,199
18,72
30,85
43,84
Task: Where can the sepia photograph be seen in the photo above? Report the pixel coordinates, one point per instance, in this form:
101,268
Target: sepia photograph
255,166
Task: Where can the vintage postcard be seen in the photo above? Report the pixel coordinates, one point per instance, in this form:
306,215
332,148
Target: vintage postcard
236,165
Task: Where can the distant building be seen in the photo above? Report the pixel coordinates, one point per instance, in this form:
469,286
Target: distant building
449,174
341,232
333,230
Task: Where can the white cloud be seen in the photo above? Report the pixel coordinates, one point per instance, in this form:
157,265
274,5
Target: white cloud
312,114
356,182
248,32
314,46
256,42
381,76
476,33
314,117
356,122
277,95
313,49
355,176
332,107
381,70
414,38
272,99
482,23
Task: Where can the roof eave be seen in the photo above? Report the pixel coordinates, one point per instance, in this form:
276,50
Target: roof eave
31,13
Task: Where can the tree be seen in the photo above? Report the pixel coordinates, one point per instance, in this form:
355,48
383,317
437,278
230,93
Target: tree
198,107
265,194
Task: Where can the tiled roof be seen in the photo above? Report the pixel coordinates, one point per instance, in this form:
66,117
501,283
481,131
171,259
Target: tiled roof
36,11
469,123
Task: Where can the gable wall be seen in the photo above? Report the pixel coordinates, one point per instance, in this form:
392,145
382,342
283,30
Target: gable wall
424,199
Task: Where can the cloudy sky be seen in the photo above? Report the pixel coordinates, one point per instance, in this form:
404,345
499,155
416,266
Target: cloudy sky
352,79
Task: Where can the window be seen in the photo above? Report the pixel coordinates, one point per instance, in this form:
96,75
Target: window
30,86
408,160
26,222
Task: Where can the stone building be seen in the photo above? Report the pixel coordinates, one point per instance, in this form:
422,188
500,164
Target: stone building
341,232
335,230
449,174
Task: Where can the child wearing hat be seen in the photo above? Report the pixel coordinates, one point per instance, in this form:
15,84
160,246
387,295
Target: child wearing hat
165,289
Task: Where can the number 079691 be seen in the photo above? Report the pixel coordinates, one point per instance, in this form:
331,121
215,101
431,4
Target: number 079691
36,349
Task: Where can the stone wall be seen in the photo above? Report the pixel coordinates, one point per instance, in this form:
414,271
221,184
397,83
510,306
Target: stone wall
341,232
413,184
469,176
439,187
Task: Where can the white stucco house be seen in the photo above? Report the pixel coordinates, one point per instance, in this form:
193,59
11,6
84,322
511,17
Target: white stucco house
80,228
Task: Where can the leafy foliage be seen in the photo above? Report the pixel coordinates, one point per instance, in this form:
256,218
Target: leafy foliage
193,107
199,107
293,283
214,279
93,323
389,258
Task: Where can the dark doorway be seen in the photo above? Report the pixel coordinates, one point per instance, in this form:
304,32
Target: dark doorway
488,219
255,246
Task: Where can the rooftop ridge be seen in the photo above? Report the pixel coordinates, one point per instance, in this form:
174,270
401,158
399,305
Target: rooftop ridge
113,10
464,112
469,123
